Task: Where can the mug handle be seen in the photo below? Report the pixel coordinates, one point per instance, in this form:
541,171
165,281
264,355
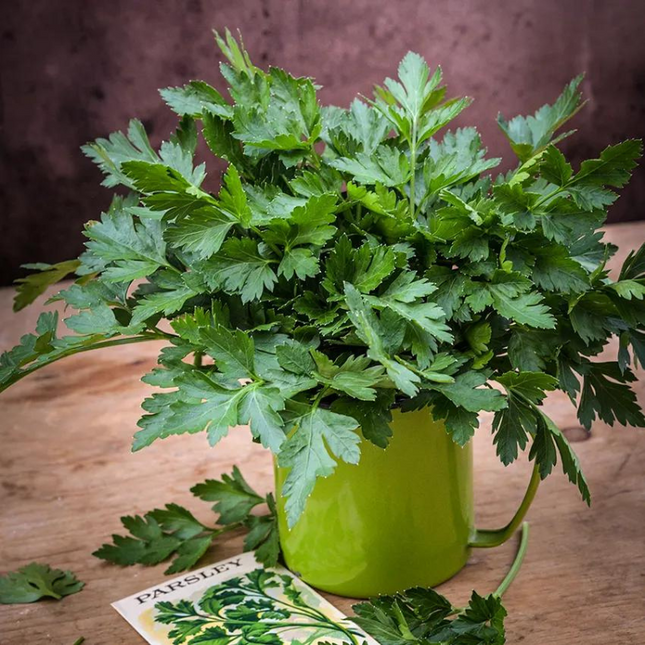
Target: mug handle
487,538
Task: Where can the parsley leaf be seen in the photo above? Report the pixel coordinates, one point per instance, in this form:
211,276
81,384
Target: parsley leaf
509,294
607,395
35,581
242,266
233,496
466,392
313,433
513,425
174,530
36,284
530,135
195,99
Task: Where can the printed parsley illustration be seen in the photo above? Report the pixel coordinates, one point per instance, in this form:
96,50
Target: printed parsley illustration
260,607
353,260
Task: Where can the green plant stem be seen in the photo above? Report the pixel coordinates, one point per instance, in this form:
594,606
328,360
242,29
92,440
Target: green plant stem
517,563
52,594
272,246
78,350
80,641
552,194
226,529
413,167
513,571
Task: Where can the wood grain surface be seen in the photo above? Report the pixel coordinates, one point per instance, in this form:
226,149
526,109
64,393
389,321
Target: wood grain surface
67,475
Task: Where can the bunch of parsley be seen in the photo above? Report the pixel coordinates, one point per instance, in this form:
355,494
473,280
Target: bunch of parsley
353,261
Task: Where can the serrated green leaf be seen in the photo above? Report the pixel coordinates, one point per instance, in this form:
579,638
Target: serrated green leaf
606,395
549,439
369,330
629,289
241,267
555,270
466,392
156,536
374,418
386,166
172,294
34,285
110,153
35,581
554,167
365,268
509,299
130,250
613,168
202,232
234,498
528,349
314,434
260,408
195,99
531,386
531,135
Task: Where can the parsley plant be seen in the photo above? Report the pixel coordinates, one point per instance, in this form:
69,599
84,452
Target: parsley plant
353,260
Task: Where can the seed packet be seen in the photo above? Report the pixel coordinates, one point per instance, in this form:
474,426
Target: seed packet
237,601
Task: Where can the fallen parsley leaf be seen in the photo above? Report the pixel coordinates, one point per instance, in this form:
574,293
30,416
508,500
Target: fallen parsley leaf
175,532
35,581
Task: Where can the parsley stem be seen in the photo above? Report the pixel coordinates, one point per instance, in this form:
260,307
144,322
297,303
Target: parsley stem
77,350
227,528
517,563
413,167
546,198
272,246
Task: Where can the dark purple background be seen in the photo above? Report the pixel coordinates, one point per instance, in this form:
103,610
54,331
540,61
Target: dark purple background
74,70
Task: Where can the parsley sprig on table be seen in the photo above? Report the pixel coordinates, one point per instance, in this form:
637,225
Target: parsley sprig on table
175,531
35,581
418,616
353,260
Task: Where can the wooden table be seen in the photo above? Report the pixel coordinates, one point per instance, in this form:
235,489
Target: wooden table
67,475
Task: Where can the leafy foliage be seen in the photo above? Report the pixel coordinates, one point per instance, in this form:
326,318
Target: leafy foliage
424,616
259,607
174,530
35,581
35,284
353,261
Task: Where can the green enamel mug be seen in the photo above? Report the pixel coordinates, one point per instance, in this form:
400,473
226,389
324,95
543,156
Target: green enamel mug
400,518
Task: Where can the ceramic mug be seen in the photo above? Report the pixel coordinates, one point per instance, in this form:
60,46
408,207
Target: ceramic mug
402,517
